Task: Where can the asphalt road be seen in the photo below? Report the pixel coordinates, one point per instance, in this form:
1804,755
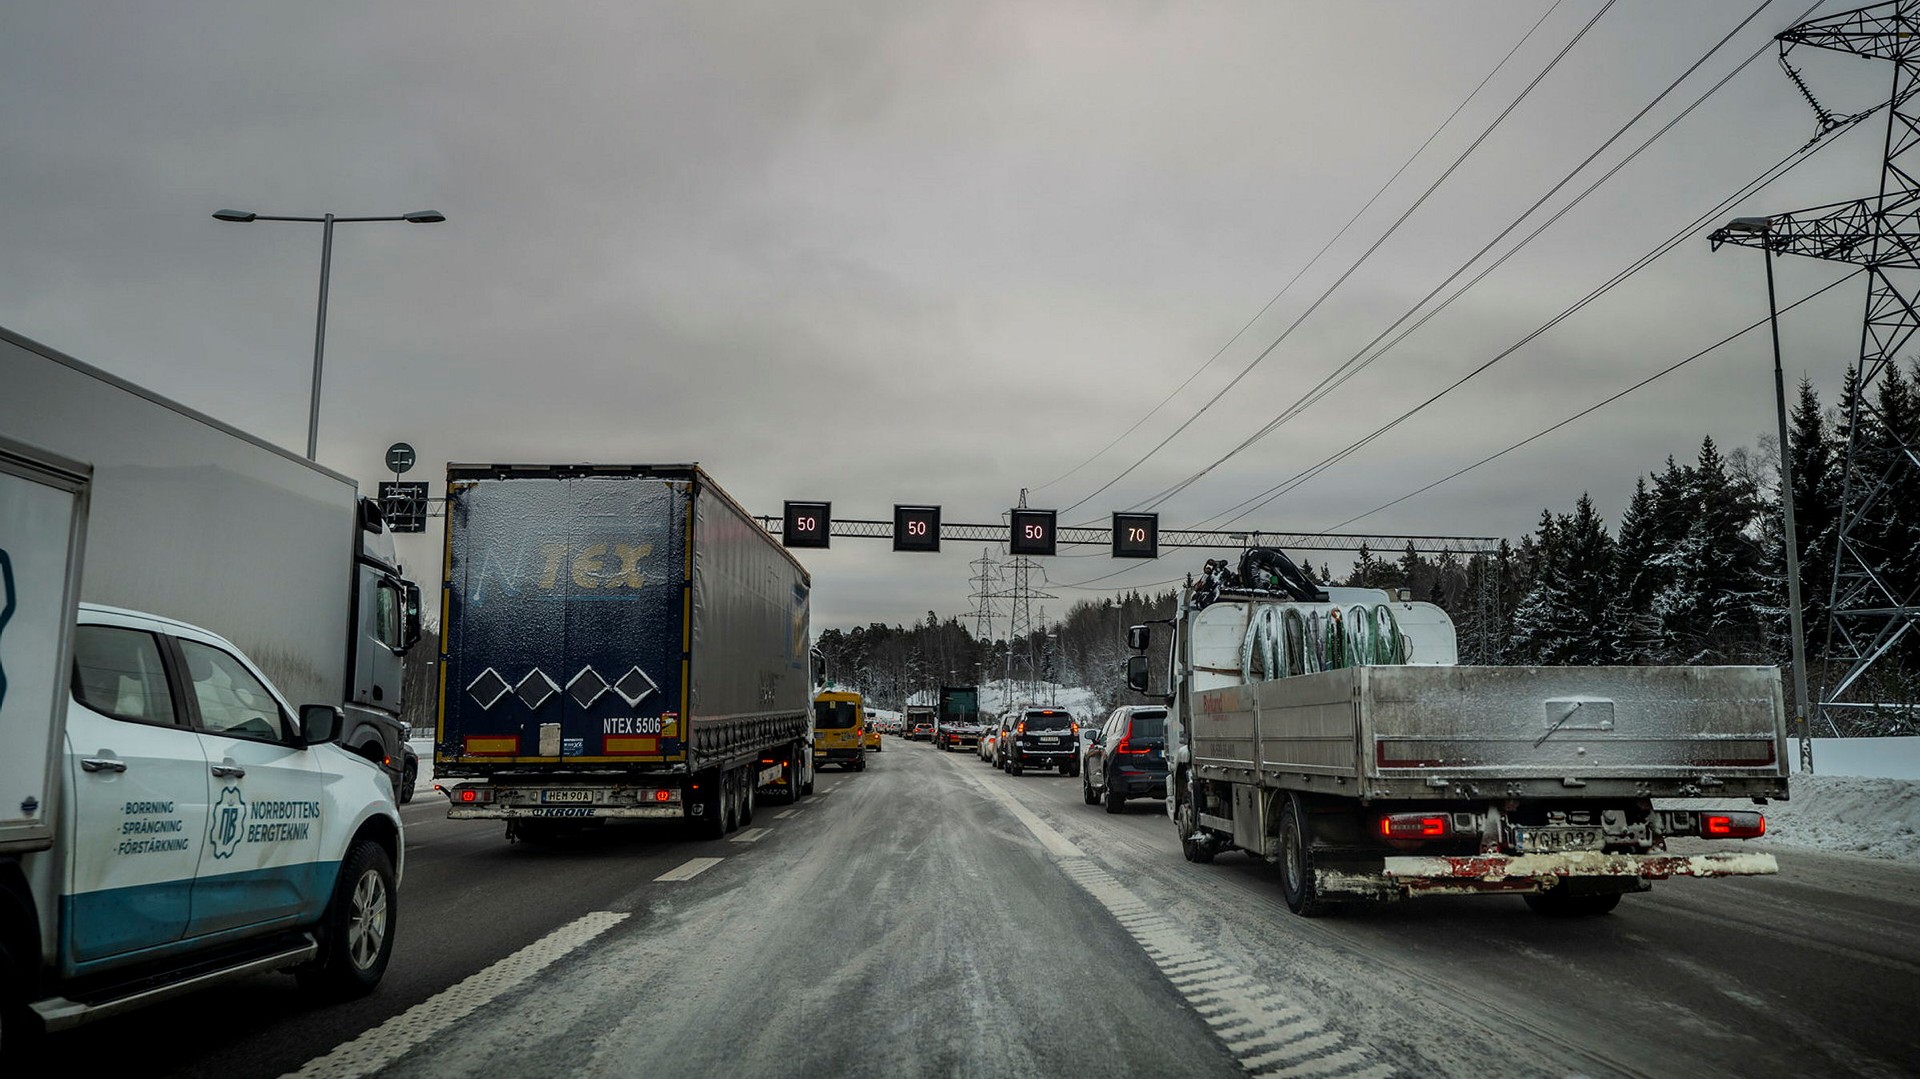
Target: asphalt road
931,916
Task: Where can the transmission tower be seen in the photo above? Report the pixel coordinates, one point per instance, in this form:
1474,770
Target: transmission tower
983,580
1868,614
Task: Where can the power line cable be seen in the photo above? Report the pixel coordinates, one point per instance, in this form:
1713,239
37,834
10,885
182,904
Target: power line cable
1368,253
1779,169
1662,373
1360,360
1312,262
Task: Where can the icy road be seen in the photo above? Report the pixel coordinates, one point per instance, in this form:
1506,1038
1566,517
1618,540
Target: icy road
931,916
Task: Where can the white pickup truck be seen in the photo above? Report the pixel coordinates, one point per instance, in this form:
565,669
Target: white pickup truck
167,820
1331,732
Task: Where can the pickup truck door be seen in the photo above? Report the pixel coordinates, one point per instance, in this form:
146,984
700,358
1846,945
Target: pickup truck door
261,864
137,781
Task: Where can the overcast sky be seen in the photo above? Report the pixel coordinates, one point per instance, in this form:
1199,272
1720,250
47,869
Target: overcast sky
919,252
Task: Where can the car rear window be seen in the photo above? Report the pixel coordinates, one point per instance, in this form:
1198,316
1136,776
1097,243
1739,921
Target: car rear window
1048,721
1149,726
833,715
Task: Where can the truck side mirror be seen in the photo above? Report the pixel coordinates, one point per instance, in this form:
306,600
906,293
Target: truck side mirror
1138,638
413,615
321,723
1137,670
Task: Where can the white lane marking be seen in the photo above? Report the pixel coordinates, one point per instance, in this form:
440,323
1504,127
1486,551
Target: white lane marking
693,868
1057,845
1259,1023
784,814
383,1045
752,835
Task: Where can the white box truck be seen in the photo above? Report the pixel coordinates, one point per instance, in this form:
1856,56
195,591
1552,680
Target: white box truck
196,520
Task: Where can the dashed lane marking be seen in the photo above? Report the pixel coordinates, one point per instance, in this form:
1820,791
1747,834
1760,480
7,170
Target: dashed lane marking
752,835
1264,1030
693,868
784,814
393,1039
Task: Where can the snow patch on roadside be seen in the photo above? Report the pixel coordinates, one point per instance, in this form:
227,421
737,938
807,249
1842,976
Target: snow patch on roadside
1877,818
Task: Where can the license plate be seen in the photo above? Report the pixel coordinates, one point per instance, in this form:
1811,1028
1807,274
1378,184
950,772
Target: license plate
1052,741
567,797
1549,840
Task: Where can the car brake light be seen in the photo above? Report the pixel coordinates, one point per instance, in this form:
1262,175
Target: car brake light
1073,728
1733,825
1125,745
1414,826
1021,727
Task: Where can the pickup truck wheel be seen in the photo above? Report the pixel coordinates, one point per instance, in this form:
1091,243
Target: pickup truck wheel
1296,866
1014,767
1556,904
408,777
1086,790
356,932
1116,802
1187,819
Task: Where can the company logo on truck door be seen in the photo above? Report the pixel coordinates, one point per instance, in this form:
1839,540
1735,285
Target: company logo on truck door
235,821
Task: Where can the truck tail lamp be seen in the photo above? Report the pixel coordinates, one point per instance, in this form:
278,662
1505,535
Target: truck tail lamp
1740,825
471,795
1415,826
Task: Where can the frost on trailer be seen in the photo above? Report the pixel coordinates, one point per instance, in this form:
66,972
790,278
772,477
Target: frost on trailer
1329,730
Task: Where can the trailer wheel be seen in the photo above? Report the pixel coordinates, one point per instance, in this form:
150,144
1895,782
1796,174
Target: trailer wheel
1186,817
748,785
1555,903
1296,866
730,800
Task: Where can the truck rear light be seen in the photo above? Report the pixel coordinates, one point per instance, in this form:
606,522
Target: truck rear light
471,795
1733,825
665,796
1415,826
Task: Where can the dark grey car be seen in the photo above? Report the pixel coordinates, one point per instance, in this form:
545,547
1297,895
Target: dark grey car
1127,758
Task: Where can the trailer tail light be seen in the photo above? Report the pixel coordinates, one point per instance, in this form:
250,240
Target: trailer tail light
471,795
1415,826
1733,825
663,796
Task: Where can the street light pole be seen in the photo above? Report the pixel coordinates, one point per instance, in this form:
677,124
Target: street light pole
1802,727
319,339
418,217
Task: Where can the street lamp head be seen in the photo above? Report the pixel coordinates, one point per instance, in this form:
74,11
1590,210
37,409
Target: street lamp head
426,217
1750,224
233,215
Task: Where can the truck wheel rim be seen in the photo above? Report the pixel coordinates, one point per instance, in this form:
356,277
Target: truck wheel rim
367,920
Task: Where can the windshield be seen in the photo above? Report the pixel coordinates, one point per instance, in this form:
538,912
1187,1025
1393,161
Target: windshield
1048,721
1148,726
833,715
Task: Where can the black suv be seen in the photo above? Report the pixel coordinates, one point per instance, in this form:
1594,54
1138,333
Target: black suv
1043,738
1127,758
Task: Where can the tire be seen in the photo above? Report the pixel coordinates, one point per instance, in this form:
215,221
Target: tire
1014,767
749,797
1187,819
730,801
20,1031
356,932
408,777
1297,882
1116,802
1556,904
1086,790
1070,767
860,765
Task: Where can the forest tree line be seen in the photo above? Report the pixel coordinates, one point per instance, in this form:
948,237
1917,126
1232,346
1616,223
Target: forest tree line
1693,573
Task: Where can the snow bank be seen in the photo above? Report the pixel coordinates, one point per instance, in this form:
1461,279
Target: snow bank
1877,758
1876,818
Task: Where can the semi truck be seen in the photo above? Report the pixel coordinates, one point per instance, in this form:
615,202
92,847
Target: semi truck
194,519
166,823
1332,732
957,724
618,642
